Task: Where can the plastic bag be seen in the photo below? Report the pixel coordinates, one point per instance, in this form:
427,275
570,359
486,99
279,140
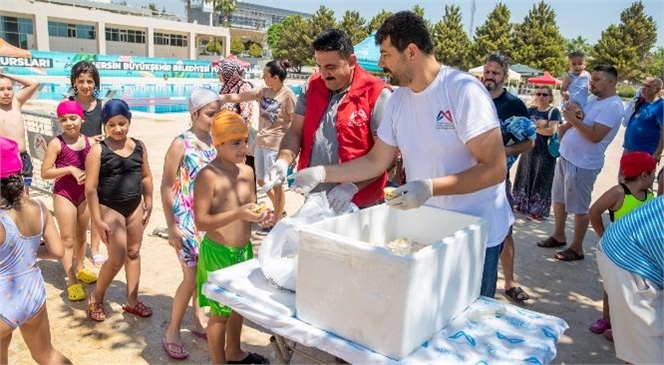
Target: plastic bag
278,252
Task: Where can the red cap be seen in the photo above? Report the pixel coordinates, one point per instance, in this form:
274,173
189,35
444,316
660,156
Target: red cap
634,164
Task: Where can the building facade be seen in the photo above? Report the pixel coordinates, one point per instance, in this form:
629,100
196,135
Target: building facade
103,28
245,16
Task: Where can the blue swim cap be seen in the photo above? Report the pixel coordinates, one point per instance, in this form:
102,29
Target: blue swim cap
115,107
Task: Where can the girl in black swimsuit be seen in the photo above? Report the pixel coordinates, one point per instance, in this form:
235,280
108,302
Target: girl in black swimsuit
118,187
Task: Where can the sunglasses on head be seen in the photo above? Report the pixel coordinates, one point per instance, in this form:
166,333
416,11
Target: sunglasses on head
541,94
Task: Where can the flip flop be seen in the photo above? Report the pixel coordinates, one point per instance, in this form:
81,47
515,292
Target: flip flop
251,358
75,292
86,276
551,242
174,350
98,259
140,310
200,334
96,312
517,294
569,255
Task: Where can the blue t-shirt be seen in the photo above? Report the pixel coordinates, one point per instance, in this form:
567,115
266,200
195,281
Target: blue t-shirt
635,242
644,129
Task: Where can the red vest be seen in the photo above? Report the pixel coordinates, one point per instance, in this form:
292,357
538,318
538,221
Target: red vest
353,125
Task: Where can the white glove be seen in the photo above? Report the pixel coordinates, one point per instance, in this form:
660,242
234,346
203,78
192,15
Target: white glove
276,174
341,195
413,194
305,180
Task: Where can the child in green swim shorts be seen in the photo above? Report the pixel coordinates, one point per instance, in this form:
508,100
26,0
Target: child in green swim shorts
224,196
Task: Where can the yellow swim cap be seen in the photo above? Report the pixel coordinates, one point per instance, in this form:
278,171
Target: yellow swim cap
228,126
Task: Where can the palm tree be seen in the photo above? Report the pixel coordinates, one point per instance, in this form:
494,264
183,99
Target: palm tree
226,7
577,44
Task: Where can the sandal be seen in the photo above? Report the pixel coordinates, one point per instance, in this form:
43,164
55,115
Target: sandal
96,312
517,294
200,334
551,242
174,350
569,255
140,309
98,259
86,276
251,358
599,326
75,292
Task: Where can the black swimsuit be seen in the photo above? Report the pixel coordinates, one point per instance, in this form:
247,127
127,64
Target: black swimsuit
120,178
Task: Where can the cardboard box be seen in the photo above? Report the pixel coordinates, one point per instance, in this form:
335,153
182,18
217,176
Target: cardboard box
388,303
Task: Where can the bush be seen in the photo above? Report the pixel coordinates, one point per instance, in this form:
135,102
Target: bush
626,91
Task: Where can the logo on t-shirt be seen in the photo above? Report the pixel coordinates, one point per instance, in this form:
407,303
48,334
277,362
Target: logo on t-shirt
444,120
358,118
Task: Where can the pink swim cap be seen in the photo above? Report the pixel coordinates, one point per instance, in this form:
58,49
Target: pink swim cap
70,107
10,161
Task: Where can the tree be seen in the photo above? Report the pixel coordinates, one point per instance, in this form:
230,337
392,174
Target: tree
295,42
627,45
153,8
273,35
255,50
354,25
418,10
577,44
537,41
322,20
655,63
451,43
495,35
237,46
378,20
226,8
215,47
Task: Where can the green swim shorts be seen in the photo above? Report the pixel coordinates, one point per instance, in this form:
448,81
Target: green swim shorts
212,257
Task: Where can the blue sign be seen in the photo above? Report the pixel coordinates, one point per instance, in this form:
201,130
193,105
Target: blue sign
40,63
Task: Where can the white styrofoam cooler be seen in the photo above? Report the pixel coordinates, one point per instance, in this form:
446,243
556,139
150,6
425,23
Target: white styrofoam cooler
389,303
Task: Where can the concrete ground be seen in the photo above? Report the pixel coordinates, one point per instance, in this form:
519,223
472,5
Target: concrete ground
571,291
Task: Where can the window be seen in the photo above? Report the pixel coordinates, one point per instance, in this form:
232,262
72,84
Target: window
80,31
125,35
164,39
16,30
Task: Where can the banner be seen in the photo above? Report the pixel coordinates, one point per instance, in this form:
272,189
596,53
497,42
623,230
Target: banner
40,63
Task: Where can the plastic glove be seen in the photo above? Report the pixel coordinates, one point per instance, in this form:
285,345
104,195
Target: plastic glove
413,194
341,195
305,180
277,173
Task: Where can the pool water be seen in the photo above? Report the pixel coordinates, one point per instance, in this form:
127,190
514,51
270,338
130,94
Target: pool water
150,98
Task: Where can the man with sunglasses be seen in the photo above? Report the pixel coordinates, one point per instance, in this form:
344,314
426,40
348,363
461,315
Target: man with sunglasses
645,128
518,137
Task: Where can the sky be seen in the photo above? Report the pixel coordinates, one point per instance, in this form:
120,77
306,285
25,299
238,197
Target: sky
586,18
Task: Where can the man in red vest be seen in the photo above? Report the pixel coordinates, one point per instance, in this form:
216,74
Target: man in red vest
336,119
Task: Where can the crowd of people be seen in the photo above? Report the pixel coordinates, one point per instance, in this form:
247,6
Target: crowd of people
343,132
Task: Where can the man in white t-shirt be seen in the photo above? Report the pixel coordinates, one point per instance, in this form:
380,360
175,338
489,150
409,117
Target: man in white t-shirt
445,124
583,140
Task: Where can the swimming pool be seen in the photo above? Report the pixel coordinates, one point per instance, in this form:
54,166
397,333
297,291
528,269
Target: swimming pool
150,98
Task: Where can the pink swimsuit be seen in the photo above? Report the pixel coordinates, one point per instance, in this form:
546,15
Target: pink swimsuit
67,186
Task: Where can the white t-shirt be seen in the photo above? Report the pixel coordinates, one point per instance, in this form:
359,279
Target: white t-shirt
580,151
432,127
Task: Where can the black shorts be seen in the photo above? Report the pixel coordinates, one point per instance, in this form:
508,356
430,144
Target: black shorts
26,170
